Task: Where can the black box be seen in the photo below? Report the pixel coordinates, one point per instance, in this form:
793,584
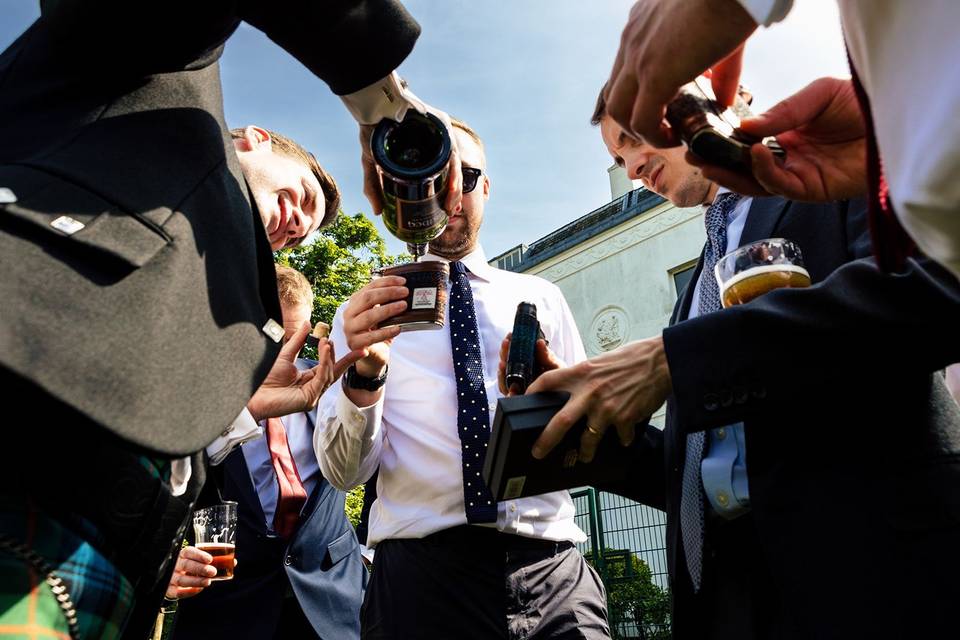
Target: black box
511,471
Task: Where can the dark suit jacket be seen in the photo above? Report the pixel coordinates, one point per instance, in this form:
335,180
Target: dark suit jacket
111,118
853,444
321,563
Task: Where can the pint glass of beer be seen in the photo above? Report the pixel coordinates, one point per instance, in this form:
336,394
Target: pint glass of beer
215,529
759,267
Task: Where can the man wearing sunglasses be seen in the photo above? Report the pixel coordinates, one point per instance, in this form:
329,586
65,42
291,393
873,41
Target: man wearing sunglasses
450,561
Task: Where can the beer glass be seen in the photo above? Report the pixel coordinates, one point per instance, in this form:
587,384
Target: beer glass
759,267
215,530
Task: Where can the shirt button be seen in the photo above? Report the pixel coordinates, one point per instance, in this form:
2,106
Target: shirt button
722,499
513,508
721,433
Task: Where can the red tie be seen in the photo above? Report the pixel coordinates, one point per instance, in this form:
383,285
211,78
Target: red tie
891,244
292,494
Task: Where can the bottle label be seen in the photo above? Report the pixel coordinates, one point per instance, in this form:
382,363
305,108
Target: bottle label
424,298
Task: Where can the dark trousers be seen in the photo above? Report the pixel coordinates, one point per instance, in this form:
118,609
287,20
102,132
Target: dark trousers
474,582
293,622
738,597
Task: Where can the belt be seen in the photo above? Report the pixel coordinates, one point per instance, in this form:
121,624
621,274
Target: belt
479,537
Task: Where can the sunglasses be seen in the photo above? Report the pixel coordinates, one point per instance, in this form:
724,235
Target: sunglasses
470,178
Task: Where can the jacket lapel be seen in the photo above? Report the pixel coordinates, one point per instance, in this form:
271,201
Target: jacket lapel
235,468
764,215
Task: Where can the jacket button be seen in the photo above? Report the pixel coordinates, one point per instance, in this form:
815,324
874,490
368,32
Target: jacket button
711,401
740,396
760,393
726,399
288,560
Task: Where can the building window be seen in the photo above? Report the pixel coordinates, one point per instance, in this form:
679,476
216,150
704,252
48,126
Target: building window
682,275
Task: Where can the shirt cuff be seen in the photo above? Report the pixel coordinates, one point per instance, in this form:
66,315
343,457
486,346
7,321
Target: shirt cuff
243,429
767,12
360,423
386,98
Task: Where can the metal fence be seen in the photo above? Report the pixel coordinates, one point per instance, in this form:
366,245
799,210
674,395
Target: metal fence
637,598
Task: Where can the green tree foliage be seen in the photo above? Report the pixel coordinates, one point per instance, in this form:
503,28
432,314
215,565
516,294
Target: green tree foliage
636,606
354,505
339,261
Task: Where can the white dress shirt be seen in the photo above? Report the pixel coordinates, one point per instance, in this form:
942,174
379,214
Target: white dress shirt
906,54
412,432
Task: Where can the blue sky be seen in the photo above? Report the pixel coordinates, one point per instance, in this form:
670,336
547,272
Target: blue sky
523,73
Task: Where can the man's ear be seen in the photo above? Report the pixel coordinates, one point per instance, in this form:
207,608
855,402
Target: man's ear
254,138
486,186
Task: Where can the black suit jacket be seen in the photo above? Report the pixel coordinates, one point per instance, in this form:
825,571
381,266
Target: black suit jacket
853,444
320,564
132,256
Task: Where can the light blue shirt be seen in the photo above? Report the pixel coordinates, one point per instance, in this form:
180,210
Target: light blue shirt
257,454
724,467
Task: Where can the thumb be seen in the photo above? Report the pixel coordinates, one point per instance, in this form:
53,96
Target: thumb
344,363
788,114
290,350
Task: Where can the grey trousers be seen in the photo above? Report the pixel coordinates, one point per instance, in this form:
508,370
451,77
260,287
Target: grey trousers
474,582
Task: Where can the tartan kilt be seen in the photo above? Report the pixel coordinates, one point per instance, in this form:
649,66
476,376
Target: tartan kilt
53,582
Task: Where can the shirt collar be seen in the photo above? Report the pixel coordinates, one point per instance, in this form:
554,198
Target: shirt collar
476,261
720,192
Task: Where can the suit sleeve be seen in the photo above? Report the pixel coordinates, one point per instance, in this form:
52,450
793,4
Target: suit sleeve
855,333
349,44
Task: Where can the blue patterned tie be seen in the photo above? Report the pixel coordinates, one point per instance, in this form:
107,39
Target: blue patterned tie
692,496
473,416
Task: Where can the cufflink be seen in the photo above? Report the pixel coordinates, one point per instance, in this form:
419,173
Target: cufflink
67,225
273,330
7,196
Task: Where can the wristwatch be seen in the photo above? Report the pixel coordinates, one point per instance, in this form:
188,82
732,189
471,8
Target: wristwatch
354,380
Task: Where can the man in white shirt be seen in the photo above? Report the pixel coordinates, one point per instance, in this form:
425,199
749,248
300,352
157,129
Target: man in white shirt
450,561
904,58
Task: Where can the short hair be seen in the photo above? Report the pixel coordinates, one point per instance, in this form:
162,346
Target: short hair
467,129
293,287
331,192
601,109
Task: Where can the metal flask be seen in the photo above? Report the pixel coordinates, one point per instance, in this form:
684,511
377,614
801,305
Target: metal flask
413,157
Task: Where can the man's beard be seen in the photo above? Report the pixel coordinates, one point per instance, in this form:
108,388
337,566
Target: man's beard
453,244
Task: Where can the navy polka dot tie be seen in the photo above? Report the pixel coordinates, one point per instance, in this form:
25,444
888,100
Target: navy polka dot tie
473,416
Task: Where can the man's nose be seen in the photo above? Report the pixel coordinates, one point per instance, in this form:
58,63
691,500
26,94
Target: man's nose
297,225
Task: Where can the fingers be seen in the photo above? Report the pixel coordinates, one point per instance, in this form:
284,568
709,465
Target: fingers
185,580
292,347
193,553
744,184
725,77
772,174
358,328
377,291
547,360
626,431
561,422
589,441
502,367
559,379
341,365
372,187
365,339
793,112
